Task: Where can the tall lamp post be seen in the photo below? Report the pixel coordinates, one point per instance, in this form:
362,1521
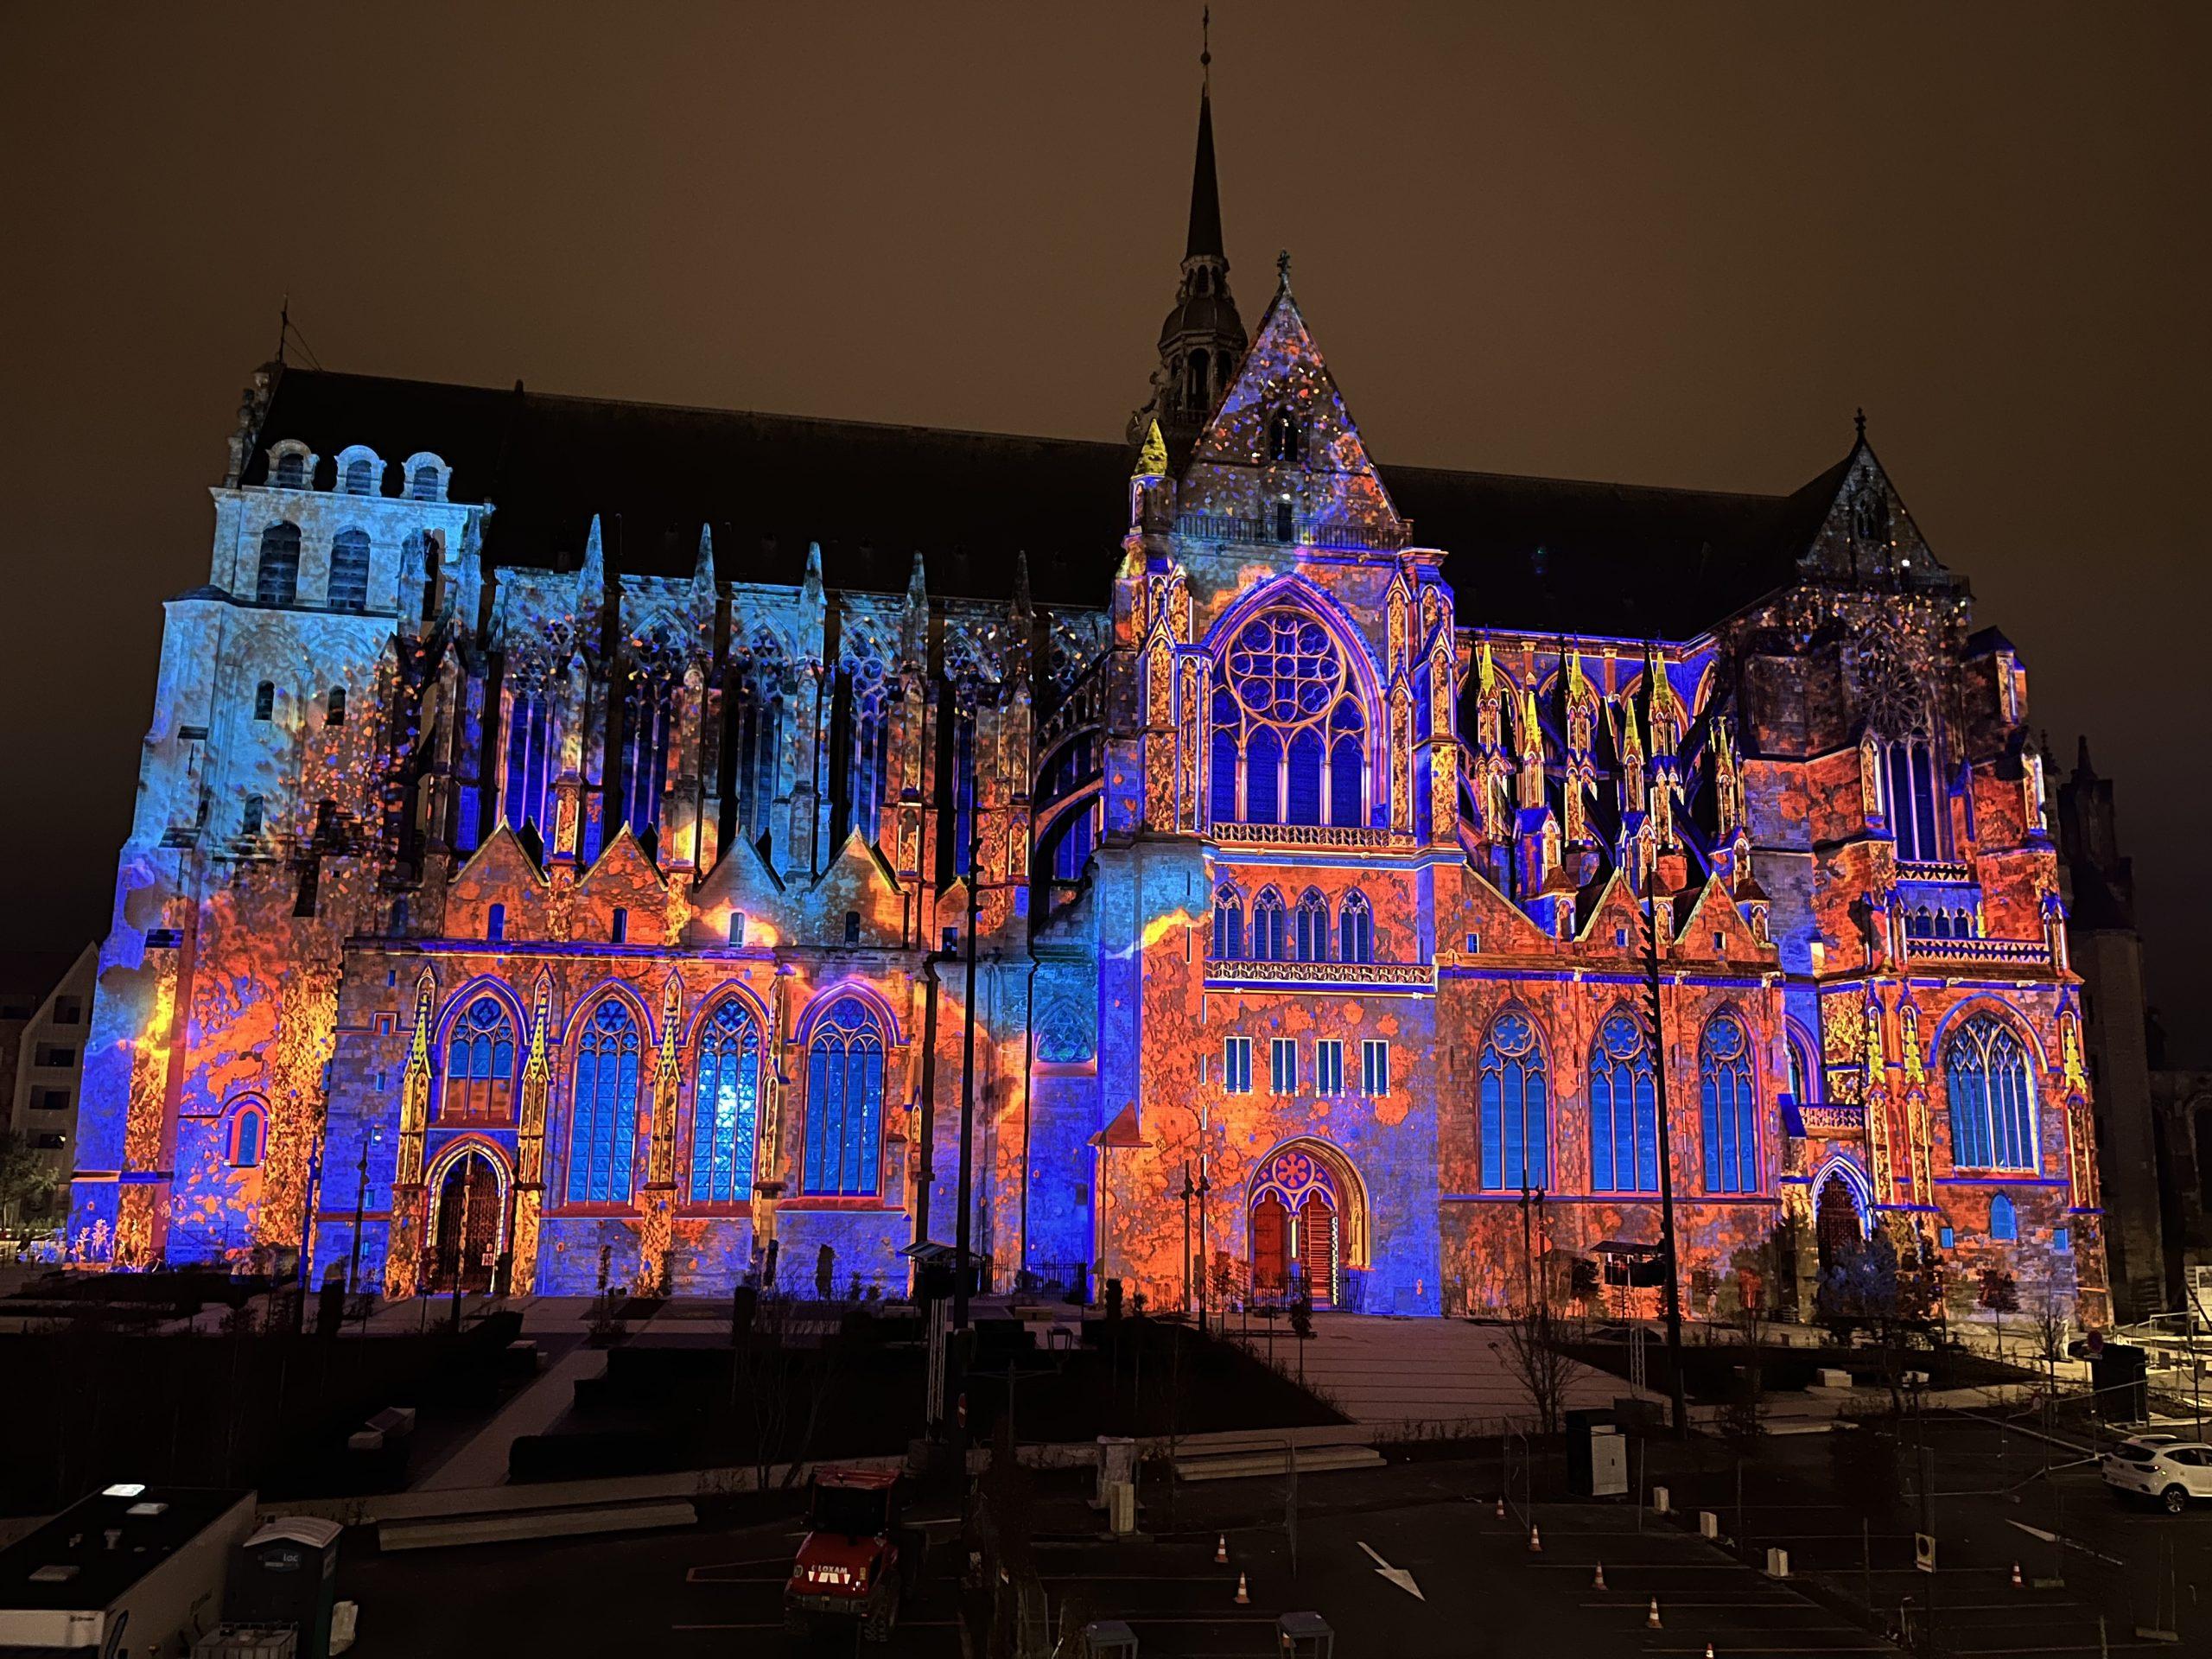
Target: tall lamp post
1659,1070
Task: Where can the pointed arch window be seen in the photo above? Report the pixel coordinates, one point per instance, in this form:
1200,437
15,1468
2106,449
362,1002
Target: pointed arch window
644,752
844,1103
1268,933
1356,929
479,1066
276,580
529,763
1992,1095
870,775
1515,1107
724,1105
349,570
1623,1111
1347,766
1312,926
2004,1219
603,1119
1228,925
1729,1103
759,748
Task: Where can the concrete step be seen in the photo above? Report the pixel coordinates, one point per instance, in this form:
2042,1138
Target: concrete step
1244,1465
446,1531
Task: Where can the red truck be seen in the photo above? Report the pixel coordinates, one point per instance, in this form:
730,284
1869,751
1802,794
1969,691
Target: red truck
857,1561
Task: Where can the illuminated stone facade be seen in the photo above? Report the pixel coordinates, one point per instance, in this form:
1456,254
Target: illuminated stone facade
566,883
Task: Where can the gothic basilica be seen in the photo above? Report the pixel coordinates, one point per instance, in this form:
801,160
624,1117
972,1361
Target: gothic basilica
587,843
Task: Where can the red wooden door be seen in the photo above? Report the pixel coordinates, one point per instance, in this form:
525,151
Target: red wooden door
1270,1245
1317,1249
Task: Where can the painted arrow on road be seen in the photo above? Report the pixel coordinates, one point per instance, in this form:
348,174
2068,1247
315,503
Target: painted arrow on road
1396,1575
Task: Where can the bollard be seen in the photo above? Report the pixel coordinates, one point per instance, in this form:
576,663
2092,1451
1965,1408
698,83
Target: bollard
1658,1500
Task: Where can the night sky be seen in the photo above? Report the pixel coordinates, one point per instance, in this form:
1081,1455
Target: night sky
1669,245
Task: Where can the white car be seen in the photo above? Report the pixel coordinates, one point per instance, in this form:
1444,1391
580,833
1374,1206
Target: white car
2161,1466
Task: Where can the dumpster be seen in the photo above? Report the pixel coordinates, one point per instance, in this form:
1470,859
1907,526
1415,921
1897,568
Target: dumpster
286,1574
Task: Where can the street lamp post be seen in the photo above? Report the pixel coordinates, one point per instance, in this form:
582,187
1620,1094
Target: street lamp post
1190,1192
360,1201
1659,1070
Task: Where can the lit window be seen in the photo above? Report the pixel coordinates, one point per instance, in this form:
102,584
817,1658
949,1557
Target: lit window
845,1102
1228,925
1282,1065
2004,1220
724,1104
1623,1111
2062,1239
1992,1102
1515,1106
1356,929
529,764
1375,1068
1289,730
602,1136
479,1066
1329,1067
1729,1107
1236,1065
1945,1237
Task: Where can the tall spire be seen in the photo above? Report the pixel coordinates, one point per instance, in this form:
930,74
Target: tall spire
1203,338
1205,189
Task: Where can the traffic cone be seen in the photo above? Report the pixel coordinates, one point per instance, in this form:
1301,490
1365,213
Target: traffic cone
1708,1650
1244,1595
1501,1506
2017,1582
1651,1618
1221,1549
1535,1540
1599,1583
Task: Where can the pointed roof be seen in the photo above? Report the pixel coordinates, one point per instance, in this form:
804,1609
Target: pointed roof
1204,238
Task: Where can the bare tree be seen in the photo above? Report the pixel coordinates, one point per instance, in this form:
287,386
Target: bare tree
1532,1340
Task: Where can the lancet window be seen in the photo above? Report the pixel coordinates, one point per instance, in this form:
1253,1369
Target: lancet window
527,798
1228,925
603,1115
757,734
651,714
845,1102
1623,1111
1288,729
1729,1107
1269,935
724,1105
1992,1096
1355,928
1916,810
1516,1106
1313,927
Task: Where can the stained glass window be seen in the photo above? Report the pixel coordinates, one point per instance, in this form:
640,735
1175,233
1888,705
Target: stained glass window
603,1118
529,777
1729,1107
479,1066
724,1104
1993,1097
1515,1106
845,1102
1356,929
1624,1112
644,753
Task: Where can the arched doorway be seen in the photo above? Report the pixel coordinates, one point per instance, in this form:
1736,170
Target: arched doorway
1296,1227
1837,1228
465,1233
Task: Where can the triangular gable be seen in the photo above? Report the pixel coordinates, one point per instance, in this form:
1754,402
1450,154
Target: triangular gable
1866,536
1715,912
858,879
622,875
1504,927
1283,370
499,872
1615,907
740,882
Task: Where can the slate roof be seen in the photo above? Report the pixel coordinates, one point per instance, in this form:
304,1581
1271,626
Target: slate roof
1530,553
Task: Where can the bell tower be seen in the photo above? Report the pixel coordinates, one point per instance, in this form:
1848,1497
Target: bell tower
1203,338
